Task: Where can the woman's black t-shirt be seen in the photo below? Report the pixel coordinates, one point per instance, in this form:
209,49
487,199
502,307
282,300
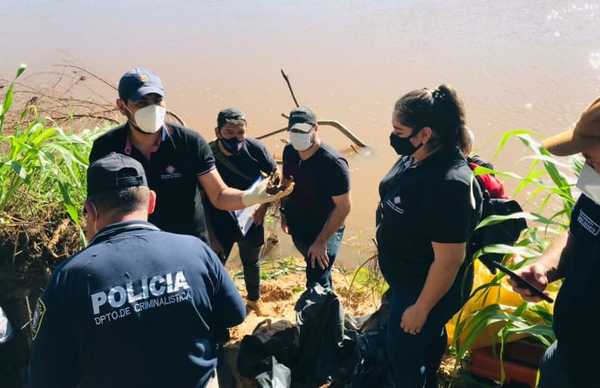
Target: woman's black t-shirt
420,203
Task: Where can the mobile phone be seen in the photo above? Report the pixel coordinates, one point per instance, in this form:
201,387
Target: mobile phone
524,283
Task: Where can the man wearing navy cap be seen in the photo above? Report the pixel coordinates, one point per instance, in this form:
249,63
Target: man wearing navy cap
138,307
314,214
175,159
241,161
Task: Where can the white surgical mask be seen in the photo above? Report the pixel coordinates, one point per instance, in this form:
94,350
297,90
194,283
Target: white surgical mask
589,183
150,119
300,141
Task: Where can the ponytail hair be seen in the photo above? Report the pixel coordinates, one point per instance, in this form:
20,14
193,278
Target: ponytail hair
440,109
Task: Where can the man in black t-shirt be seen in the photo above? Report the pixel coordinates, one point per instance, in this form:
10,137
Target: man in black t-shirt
175,159
241,161
315,212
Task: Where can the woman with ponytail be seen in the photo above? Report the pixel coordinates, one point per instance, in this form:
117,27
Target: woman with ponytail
428,210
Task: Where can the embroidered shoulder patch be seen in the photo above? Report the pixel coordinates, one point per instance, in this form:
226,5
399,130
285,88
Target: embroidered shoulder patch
588,224
38,317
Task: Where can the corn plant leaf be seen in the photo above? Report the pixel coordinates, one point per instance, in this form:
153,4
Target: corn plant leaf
547,158
68,203
507,136
507,250
497,219
21,70
477,323
8,97
19,169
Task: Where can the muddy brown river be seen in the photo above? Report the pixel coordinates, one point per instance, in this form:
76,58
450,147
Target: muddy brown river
517,64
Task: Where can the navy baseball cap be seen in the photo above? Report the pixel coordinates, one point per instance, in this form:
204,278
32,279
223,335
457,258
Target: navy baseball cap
114,172
302,119
138,82
230,115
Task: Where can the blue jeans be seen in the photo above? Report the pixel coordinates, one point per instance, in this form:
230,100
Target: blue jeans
317,274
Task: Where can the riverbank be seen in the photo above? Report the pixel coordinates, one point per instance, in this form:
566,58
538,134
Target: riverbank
282,283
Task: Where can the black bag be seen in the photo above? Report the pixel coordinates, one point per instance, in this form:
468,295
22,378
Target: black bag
320,323
362,361
267,351
506,232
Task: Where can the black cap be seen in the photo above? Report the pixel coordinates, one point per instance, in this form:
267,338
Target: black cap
114,172
138,82
230,115
302,118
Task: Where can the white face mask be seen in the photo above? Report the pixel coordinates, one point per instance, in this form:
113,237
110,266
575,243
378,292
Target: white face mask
300,141
150,119
589,183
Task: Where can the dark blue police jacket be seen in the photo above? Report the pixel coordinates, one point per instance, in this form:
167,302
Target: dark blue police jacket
137,308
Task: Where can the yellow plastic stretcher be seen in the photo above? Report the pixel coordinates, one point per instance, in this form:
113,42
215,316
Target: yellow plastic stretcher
502,294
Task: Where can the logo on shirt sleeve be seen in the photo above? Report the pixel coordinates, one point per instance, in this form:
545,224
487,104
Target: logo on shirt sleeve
395,204
587,223
38,317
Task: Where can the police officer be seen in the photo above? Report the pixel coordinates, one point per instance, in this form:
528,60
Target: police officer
575,258
315,213
175,159
241,161
138,307
428,209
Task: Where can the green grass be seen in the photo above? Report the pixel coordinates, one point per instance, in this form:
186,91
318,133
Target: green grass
274,269
42,179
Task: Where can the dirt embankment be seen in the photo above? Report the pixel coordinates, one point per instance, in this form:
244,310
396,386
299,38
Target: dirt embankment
282,283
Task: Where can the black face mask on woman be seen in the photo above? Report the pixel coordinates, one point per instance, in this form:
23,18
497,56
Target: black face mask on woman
402,145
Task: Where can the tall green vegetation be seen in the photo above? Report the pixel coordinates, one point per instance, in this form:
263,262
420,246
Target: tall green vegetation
42,185
547,187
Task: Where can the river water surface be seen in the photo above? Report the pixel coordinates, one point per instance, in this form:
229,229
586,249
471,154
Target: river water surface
517,64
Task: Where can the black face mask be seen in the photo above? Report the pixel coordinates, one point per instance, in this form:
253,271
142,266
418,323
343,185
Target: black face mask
233,145
402,145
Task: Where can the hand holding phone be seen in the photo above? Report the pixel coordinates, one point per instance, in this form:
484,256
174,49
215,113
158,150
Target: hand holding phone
522,283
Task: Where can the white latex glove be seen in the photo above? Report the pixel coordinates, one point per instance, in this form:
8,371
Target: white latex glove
259,194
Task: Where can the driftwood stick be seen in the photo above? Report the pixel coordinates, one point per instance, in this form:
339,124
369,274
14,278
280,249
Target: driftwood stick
269,134
348,133
331,123
287,81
